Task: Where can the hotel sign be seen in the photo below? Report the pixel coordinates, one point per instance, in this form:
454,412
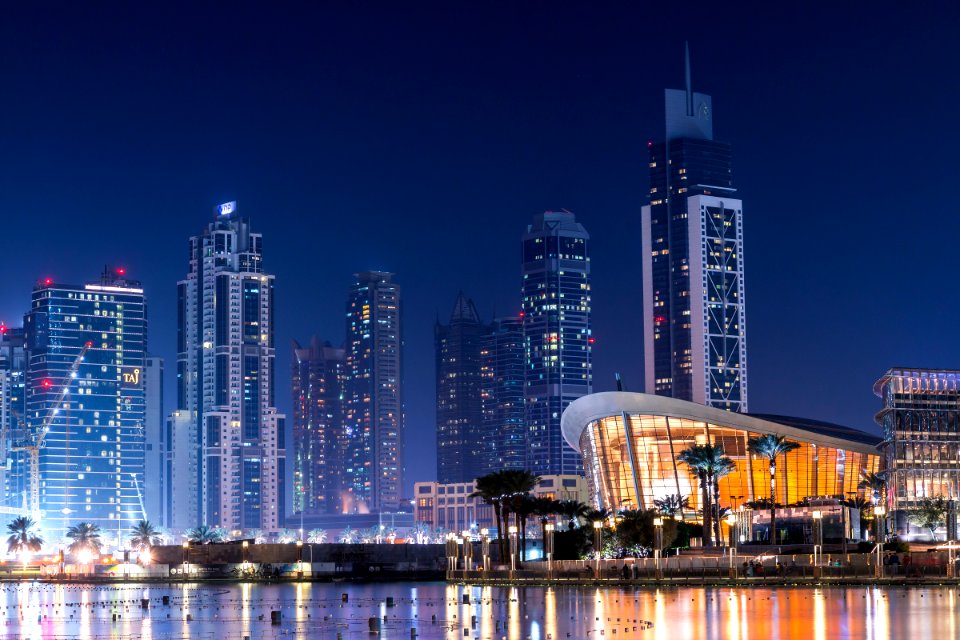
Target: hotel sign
130,376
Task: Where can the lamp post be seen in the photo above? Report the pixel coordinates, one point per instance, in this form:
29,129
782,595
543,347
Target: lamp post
597,541
817,538
299,558
548,547
513,547
485,548
657,545
467,550
243,553
879,513
186,552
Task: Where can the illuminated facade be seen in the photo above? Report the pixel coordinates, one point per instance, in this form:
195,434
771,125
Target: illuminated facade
318,436
228,466
373,404
459,399
692,251
630,442
557,335
13,365
504,439
920,418
92,457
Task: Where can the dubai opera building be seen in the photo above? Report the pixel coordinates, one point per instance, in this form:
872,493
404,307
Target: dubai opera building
630,441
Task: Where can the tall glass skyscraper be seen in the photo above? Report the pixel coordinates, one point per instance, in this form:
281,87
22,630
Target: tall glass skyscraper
13,367
459,408
319,440
373,404
92,458
228,438
692,246
503,443
557,338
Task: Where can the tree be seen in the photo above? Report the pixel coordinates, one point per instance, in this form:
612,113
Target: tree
929,514
490,489
876,483
257,535
709,464
286,536
572,511
771,447
317,536
517,485
144,535
721,467
543,508
206,535
22,537
347,535
85,537
672,505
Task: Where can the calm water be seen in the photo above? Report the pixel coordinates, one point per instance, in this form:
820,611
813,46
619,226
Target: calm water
436,610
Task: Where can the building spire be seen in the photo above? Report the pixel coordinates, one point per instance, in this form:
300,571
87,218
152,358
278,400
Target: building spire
686,61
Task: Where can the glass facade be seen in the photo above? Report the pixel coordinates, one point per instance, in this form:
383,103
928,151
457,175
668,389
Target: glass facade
630,457
920,418
504,442
92,456
557,335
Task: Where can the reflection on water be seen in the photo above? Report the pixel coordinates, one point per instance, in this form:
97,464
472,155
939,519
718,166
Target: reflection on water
448,612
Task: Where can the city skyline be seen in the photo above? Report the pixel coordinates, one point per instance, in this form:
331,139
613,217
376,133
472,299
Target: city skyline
586,152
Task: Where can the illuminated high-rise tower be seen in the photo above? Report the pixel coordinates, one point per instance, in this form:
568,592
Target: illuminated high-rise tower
228,447
85,397
692,250
373,404
557,335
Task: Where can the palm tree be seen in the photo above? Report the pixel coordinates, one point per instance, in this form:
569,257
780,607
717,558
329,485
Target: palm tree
672,505
876,483
86,537
719,468
543,508
347,535
490,489
572,511
771,447
144,535
22,537
286,536
317,536
516,486
206,535
699,458
257,535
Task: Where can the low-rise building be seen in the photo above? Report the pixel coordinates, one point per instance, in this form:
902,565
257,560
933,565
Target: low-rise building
450,506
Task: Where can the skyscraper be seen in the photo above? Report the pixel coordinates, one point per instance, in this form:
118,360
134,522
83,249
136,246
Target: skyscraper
459,409
373,409
91,461
503,433
228,456
155,489
13,367
692,246
318,435
557,335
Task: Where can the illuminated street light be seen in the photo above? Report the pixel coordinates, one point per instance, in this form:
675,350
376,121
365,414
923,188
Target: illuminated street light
512,530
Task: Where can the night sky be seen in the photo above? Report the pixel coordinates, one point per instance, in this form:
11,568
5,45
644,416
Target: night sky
421,138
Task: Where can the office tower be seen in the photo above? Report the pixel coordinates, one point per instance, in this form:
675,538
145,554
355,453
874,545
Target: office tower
155,489
227,436
13,365
373,408
692,246
557,340
318,435
459,410
503,425
86,353
920,419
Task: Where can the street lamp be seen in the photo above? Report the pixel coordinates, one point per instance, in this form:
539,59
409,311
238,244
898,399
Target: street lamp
485,548
244,545
512,530
299,558
817,537
548,546
597,541
879,512
186,551
467,550
657,544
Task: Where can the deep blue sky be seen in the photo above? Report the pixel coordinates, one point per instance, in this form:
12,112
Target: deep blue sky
421,138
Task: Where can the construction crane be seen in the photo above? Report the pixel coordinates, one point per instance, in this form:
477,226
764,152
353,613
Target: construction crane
33,447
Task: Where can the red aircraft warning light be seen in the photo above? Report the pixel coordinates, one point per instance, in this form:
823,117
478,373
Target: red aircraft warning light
46,383
48,281
591,340
121,271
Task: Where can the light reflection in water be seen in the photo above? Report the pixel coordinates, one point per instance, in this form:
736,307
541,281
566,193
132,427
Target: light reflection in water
219,612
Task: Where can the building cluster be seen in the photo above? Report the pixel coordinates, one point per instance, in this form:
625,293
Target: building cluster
85,439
